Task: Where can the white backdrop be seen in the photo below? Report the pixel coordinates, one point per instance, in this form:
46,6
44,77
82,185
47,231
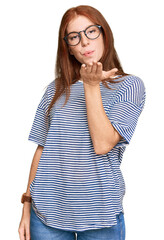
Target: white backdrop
28,43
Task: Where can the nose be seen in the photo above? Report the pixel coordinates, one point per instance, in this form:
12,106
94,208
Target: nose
84,39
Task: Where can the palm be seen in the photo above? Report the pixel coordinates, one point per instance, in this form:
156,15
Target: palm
93,73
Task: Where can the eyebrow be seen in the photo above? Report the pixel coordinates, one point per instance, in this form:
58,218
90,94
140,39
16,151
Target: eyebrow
81,30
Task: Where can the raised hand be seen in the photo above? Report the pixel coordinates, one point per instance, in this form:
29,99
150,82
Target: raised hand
93,73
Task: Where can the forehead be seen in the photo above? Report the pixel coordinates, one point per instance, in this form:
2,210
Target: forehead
79,23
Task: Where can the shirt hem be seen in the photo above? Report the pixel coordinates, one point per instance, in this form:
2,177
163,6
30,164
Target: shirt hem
97,226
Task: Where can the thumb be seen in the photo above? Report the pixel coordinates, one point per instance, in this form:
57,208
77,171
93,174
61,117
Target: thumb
110,73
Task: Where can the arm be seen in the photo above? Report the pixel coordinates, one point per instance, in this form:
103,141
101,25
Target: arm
103,134
24,227
34,167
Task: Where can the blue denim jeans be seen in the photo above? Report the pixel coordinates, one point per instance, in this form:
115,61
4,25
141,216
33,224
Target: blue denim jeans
39,231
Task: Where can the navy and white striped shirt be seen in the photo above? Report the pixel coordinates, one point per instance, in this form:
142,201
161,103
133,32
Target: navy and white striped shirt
75,188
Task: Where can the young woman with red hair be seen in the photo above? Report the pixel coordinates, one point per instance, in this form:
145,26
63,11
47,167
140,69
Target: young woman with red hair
82,125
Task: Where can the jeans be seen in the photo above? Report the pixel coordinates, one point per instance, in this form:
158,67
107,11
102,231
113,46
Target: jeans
40,231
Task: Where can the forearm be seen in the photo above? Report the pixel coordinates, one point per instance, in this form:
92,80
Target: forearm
103,134
34,167
24,227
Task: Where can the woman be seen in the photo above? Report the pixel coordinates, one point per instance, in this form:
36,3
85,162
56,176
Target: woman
82,125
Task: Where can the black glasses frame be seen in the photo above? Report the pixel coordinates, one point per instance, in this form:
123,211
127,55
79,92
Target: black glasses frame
65,38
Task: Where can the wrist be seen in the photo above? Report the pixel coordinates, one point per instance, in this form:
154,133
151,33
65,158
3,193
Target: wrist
90,87
26,209
26,198
26,206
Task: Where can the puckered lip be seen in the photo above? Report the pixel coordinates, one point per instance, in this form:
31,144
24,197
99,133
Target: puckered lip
87,52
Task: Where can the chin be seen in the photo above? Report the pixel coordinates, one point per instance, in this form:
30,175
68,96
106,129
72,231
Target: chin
90,60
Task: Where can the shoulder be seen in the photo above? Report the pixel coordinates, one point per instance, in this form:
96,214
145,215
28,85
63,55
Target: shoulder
48,95
132,81
50,90
51,86
132,89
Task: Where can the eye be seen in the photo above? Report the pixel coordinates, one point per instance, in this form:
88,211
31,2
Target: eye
73,37
92,31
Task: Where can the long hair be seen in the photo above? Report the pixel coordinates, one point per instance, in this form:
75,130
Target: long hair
67,69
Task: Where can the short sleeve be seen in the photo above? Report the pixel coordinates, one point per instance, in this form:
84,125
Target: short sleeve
41,123
127,108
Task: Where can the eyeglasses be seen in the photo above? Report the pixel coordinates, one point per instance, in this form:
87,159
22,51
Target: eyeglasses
92,32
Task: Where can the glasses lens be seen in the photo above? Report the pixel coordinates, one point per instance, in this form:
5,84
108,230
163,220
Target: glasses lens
93,32
73,39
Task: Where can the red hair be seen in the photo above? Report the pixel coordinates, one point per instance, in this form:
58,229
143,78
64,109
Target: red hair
67,67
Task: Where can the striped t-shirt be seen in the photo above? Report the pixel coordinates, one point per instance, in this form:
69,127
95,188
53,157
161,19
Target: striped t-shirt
74,188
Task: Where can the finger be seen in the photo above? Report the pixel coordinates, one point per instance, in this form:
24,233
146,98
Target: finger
94,67
99,68
28,233
82,70
89,68
113,71
22,234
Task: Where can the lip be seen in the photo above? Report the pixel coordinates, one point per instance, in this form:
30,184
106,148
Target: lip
88,53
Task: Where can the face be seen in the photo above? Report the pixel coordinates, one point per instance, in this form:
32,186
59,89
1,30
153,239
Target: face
87,50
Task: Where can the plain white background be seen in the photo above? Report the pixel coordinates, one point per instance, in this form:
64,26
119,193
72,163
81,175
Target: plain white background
28,43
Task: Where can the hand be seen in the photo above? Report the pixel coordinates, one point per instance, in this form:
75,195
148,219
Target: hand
24,226
93,74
